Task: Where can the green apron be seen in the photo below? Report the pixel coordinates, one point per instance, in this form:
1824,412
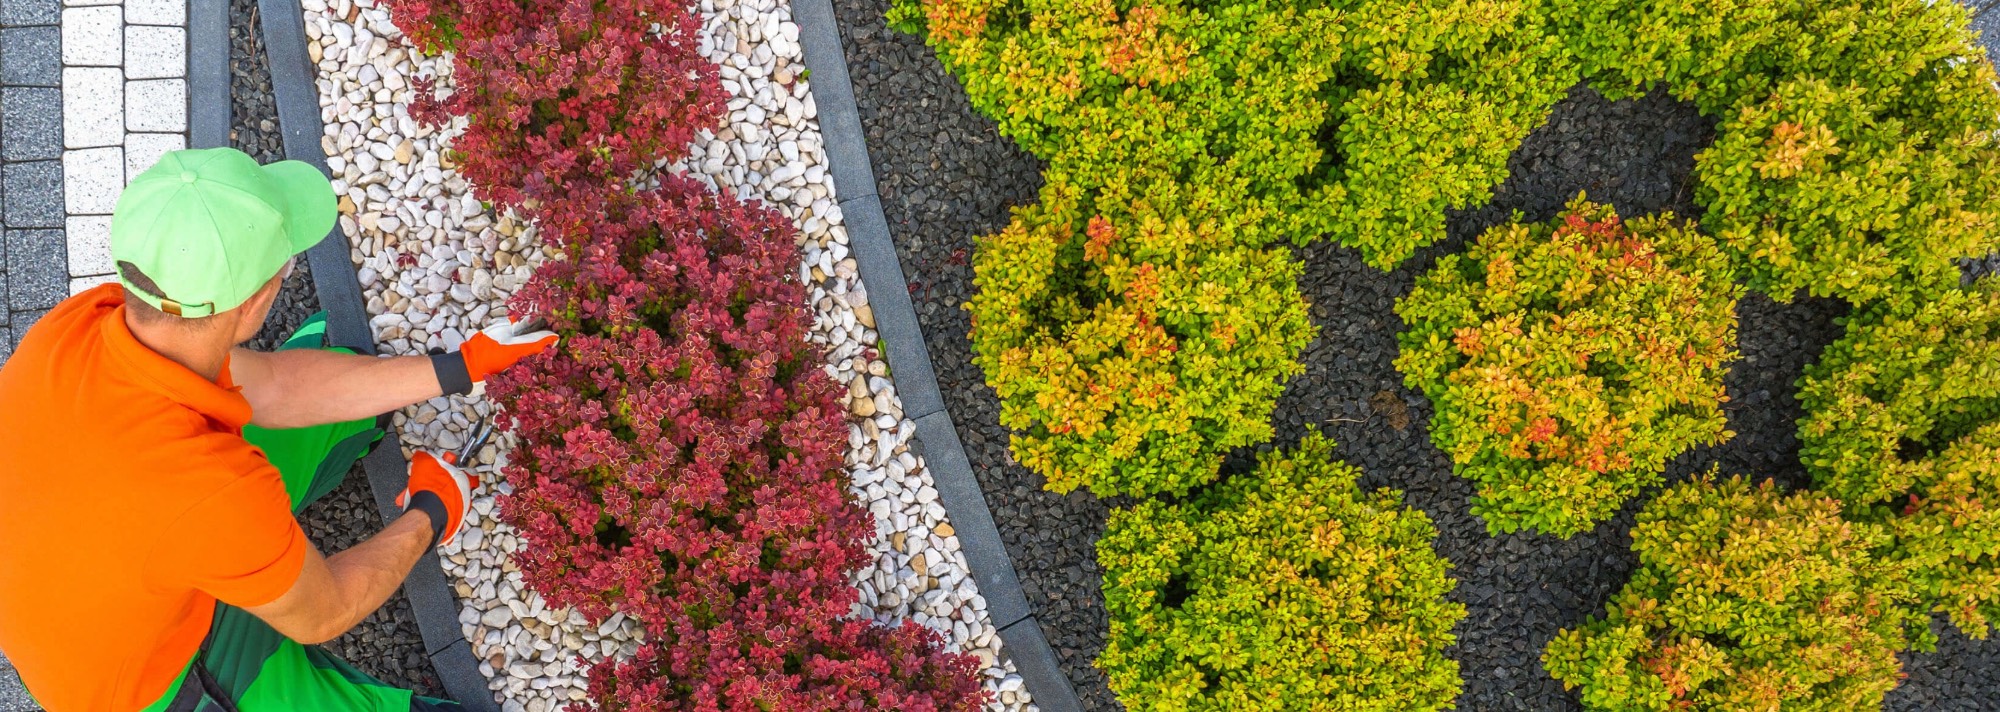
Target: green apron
246,665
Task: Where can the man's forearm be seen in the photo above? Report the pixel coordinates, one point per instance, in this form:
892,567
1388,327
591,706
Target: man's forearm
369,572
305,387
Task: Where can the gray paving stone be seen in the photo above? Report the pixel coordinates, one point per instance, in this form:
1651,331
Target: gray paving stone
6,349
33,194
32,117
33,56
38,269
22,322
15,13
13,697
6,315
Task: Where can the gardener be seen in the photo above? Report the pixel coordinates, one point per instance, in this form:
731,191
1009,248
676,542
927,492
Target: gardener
151,470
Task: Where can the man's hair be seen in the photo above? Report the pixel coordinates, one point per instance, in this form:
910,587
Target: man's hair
147,313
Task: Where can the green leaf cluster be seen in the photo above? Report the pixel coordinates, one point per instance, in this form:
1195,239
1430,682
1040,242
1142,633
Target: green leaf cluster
1569,361
1947,532
1745,598
1855,156
1903,427
1284,589
1901,384
1130,360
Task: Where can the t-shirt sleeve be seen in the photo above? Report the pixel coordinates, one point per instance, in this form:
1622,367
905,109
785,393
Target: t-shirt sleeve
240,545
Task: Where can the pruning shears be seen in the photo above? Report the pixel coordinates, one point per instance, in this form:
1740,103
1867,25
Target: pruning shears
480,434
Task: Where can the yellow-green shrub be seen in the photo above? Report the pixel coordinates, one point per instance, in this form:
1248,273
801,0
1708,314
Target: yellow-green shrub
1948,531
1136,333
1284,589
1901,383
1903,427
1856,154
1568,361
1364,121
1745,599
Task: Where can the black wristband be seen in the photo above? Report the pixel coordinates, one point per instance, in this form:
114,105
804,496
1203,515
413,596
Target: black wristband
428,502
451,373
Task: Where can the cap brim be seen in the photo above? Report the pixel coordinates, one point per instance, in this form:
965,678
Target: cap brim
310,206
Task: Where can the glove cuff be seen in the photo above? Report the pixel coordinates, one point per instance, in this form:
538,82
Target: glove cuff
430,503
451,372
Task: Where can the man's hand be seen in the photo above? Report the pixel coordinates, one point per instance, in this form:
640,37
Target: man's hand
440,490
488,352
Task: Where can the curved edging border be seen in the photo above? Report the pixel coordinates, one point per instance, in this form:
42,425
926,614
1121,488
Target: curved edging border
916,380
295,88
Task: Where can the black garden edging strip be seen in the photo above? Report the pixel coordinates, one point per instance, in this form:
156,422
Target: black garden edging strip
208,113
916,380
293,85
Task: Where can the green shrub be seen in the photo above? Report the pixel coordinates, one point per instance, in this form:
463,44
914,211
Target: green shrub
1903,426
1362,121
1822,193
1569,361
1901,383
1745,598
1948,532
1285,589
1855,156
1135,334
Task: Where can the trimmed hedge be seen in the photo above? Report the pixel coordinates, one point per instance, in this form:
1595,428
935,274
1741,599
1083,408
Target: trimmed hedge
1903,427
1948,532
1901,383
1745,599
1856,157
1132,360
1285,589
1569,361
1364,121
680,461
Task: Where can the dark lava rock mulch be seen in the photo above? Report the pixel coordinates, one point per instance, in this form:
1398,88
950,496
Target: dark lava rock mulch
946,176
386,644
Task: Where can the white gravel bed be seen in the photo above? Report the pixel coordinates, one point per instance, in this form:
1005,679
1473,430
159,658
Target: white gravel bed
435,266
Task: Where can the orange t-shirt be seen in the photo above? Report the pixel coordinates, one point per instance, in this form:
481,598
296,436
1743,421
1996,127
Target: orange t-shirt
129,504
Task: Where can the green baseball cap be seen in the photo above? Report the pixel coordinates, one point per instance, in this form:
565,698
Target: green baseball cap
211,227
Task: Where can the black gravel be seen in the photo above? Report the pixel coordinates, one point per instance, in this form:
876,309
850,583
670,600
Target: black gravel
945,176
386,644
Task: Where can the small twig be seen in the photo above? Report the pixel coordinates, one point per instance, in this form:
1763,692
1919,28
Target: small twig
1344,420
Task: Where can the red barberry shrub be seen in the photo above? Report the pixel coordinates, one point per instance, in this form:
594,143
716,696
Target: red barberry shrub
564,97
680,460
1745,598
1570,361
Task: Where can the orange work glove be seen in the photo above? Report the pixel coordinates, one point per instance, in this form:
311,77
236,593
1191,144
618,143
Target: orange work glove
441,490
488,352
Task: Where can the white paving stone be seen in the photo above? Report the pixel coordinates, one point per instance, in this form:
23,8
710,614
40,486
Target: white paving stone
93,107
83,3
156,105
156,12
90,36
142,150
92,178
155,52
79,285
89,244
